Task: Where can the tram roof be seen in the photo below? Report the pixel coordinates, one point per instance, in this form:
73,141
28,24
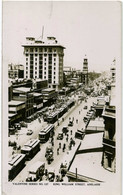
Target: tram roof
31,143
15,159
46,129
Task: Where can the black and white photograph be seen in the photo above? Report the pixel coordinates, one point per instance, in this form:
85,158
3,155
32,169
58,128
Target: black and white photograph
61,97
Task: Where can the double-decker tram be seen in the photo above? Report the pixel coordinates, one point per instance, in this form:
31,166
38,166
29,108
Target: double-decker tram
15,165
46,133
31,148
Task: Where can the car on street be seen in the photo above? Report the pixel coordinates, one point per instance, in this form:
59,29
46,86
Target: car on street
65,129
60,136
70,123
23,124
85,107
29,132
17,126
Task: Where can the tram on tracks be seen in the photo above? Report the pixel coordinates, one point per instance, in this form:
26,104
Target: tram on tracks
31,148
46,133
15,165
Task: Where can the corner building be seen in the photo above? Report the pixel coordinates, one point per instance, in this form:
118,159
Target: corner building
44,60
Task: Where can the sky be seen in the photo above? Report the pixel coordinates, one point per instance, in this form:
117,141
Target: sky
82,27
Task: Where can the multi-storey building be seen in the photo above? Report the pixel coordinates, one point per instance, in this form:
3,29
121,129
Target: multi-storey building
109,138
15,71
85,72
44,60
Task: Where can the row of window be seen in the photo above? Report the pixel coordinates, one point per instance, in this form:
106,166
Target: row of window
40,50
39,63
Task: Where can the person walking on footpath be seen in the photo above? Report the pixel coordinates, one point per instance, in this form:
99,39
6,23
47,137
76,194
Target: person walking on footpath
59,145
76,121
57,151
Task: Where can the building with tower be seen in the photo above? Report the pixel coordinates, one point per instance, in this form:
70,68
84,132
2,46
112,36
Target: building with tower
85,71
44,60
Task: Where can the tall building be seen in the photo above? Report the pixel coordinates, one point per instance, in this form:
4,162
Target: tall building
44,60
85,72
109,115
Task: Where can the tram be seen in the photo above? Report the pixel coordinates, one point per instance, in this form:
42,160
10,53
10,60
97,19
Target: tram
46,133
31,148
15,165
53,117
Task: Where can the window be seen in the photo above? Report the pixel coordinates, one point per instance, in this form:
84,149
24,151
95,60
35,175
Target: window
35,68
40,49
26,50
54,64
54,72
26,59
54,59
26,72
36,49
54,50
44,77
45,54
44,68
31,49
26,68
26,54
54,68
36,63
35,59
54,55
26,63
54,77
35,72
36,54
26,76
54,82
45,59
45,49
44,63
44,72
50,49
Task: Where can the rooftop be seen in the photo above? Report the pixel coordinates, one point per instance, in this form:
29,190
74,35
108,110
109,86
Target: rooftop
88,163
15,103
22,89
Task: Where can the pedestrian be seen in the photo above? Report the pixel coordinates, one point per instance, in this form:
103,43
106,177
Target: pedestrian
46,172
79,112
57,151
66,139
59,145
62,119
71,132
77,121
52,143
69,118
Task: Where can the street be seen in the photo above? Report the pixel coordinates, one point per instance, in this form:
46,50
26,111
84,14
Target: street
76,113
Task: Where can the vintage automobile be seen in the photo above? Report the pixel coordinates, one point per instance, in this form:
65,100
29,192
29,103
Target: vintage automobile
49,155
36,171
29,132
65,129
60,136
70,123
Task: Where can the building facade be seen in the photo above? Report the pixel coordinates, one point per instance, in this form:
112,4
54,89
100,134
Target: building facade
44,60
85,72
109,115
